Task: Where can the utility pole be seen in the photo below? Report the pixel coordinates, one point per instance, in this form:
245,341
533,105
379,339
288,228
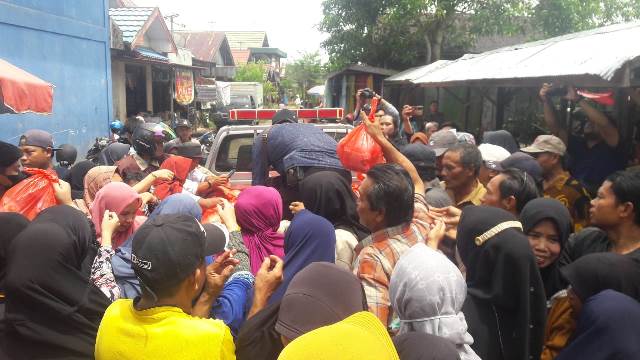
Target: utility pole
171,17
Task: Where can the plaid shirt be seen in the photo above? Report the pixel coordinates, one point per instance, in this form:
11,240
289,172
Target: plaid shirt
380,253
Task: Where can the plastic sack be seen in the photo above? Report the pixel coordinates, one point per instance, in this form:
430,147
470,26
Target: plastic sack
211,215
31,195
358,151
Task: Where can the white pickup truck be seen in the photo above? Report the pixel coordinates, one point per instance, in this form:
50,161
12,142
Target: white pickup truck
232,149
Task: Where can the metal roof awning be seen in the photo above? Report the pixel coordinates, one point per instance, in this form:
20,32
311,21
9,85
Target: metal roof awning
408,76
603,57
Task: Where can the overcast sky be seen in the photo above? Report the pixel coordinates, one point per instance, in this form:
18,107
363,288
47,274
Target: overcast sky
290,24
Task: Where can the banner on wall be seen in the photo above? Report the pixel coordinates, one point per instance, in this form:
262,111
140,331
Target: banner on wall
184,87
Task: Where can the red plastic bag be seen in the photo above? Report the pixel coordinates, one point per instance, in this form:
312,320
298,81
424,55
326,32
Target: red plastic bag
211,215
31,195
358,151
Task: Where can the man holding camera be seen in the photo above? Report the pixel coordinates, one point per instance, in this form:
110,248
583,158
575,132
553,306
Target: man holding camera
596,154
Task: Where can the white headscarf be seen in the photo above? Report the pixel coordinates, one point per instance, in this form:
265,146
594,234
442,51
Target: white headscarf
427,292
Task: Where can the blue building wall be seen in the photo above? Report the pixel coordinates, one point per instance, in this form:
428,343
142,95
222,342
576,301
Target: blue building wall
66,43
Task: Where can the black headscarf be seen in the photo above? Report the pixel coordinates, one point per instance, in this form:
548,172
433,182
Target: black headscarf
423,346
76,178
506,304
328,194
53,310
501,138
549,209
113,153
12,226
9,154
607,328
319,295
594,273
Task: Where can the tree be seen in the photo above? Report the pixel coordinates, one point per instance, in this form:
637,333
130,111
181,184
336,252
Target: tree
404,33
304,73
251,72
559,17
257,72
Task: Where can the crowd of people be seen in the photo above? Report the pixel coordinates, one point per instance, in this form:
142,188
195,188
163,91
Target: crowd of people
452,249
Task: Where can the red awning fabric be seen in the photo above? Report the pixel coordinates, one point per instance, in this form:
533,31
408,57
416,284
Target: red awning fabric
22,92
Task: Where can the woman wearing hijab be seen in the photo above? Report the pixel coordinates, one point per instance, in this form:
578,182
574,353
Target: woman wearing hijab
587,276
310,238
328,194
427,292
113,153
423,346
12,226
76,178
391,128
548,224
501,138
95,180
53,310
505,306
319,295
360,336
607,328
259,212
100,176
124,201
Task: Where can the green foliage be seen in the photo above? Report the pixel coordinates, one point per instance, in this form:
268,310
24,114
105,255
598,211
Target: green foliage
251,72
303,73
558,17
404,33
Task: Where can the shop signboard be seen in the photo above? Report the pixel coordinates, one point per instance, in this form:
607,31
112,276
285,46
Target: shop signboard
184,86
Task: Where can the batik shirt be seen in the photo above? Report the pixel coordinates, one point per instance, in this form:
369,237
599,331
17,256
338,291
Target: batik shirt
380,253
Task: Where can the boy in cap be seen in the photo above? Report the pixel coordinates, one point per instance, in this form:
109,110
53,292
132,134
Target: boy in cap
184,132
558,184
170,319
37,149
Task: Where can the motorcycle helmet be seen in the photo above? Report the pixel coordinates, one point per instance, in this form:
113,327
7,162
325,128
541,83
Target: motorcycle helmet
66,155
144,138
116,127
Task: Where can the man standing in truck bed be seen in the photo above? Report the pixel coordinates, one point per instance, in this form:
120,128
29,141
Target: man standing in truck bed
295,151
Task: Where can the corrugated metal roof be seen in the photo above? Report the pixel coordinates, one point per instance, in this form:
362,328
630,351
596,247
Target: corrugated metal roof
150,54
268,51
247,39
409,75
240,57
588,58
364,69
130,20
203,44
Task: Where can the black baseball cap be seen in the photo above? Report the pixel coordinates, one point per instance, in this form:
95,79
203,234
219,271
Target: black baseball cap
189,150
168,248
420,154
284,116
523,162
183,123
39,138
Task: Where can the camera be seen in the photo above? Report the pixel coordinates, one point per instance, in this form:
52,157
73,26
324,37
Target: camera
367,93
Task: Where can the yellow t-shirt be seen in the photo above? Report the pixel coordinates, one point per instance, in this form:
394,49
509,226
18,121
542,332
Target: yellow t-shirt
164,332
